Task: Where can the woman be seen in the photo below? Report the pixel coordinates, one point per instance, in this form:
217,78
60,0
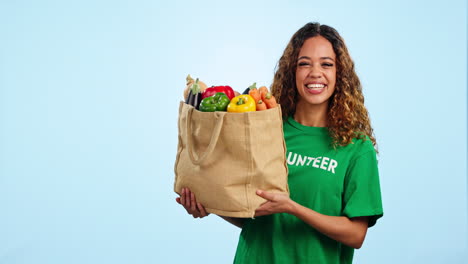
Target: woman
333,175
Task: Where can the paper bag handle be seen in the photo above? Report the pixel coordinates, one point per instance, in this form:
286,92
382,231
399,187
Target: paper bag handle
213,141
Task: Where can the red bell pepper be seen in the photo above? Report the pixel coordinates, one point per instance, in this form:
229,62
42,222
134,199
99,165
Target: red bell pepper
219,89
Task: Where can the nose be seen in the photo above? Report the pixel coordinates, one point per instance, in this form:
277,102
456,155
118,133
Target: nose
315,72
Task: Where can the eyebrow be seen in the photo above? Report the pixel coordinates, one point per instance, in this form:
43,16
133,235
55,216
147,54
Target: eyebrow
322,58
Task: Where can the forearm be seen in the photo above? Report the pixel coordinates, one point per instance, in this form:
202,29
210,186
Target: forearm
350,232
239,222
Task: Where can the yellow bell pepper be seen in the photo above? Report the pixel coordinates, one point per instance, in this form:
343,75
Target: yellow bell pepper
242,103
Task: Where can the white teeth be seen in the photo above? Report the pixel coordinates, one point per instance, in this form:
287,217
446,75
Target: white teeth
315,85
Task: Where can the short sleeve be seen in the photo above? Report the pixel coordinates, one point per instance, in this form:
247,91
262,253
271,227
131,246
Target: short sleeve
362,195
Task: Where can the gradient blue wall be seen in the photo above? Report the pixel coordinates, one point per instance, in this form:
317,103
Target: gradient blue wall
89,92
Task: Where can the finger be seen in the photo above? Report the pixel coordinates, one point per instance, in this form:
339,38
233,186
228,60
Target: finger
201,209
186,203
203,213
264,207
196,215
182,197
187,197
178,200
194,211
260,213
193,203
266,195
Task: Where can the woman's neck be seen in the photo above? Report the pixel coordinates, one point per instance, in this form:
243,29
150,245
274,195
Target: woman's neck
311,115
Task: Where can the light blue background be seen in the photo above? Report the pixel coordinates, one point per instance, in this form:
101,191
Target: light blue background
89,97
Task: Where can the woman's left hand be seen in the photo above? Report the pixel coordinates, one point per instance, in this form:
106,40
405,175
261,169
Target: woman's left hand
276,203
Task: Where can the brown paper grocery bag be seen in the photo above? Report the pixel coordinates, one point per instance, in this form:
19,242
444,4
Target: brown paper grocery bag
223,158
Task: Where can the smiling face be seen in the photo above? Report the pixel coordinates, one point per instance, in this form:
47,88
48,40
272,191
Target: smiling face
316,72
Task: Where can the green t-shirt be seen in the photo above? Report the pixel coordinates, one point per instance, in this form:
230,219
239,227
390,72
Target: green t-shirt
336,182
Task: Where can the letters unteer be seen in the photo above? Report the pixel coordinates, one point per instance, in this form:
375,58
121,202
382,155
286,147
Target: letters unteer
323,163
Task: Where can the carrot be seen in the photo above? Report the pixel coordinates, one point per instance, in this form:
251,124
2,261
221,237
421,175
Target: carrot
269,100
254,92
263,90
261,105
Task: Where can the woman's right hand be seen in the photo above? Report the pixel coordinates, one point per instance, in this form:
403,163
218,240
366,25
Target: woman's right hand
188,201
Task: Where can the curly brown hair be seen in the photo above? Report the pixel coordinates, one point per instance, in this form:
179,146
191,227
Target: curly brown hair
347,116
